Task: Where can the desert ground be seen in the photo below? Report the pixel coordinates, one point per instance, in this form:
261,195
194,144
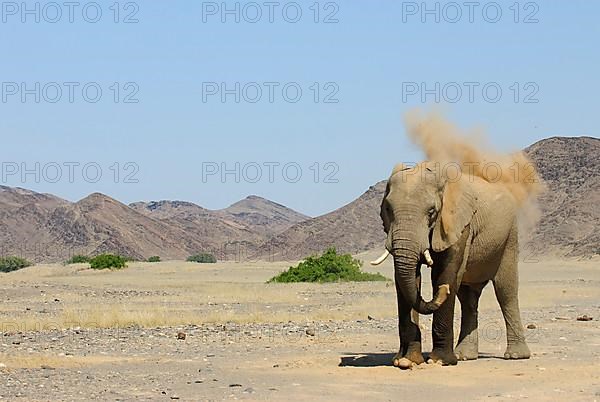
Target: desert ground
71,333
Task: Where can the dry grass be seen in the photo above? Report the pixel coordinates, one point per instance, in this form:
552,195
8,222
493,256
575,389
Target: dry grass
179,293
118,316
37,360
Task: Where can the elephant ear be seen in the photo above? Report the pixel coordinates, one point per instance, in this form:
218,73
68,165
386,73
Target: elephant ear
458,207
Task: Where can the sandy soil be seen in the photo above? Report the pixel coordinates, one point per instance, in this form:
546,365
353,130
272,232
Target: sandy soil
70,333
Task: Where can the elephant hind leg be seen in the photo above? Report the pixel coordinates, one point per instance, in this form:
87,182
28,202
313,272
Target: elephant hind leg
506,286
468,340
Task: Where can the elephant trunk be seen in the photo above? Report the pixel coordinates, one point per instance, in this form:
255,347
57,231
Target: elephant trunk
406,262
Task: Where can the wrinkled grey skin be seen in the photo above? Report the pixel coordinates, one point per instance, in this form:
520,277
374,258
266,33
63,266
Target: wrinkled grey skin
469,226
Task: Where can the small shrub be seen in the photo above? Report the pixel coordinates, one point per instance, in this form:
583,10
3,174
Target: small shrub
329,267
8,264
78,259
202,258
154,258
108,261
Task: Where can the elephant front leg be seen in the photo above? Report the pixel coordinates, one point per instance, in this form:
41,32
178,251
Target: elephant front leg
443,332
443,319
410,352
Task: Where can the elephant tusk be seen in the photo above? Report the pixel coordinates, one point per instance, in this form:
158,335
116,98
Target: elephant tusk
381,258
428,258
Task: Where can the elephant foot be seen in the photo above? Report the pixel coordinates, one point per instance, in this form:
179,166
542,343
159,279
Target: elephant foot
408,360
443,357
467,351
517,351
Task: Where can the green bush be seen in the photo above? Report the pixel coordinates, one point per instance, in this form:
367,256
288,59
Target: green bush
108,261
8,264
154,258
329,267
202,257
78,259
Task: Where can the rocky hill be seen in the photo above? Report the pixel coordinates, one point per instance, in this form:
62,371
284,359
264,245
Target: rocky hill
264,216
253,214
570,167
43,227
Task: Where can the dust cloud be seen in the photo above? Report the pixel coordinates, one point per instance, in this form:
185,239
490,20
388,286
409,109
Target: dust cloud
466,152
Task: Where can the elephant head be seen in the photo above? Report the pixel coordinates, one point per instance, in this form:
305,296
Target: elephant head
422,210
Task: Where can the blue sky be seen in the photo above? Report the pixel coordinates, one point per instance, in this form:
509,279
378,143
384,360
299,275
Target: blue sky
180,132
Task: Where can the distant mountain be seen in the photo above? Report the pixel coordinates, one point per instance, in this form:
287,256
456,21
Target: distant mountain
11,197
249,222
43,227
46,228
23,221
570,166
220,234
264,216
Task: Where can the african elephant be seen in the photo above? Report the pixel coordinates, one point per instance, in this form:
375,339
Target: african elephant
466,231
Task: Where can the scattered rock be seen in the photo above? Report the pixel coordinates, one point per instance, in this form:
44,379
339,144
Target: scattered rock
585,317
561,318
370,318
310,332
531,326
235,385
181,336
46,367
